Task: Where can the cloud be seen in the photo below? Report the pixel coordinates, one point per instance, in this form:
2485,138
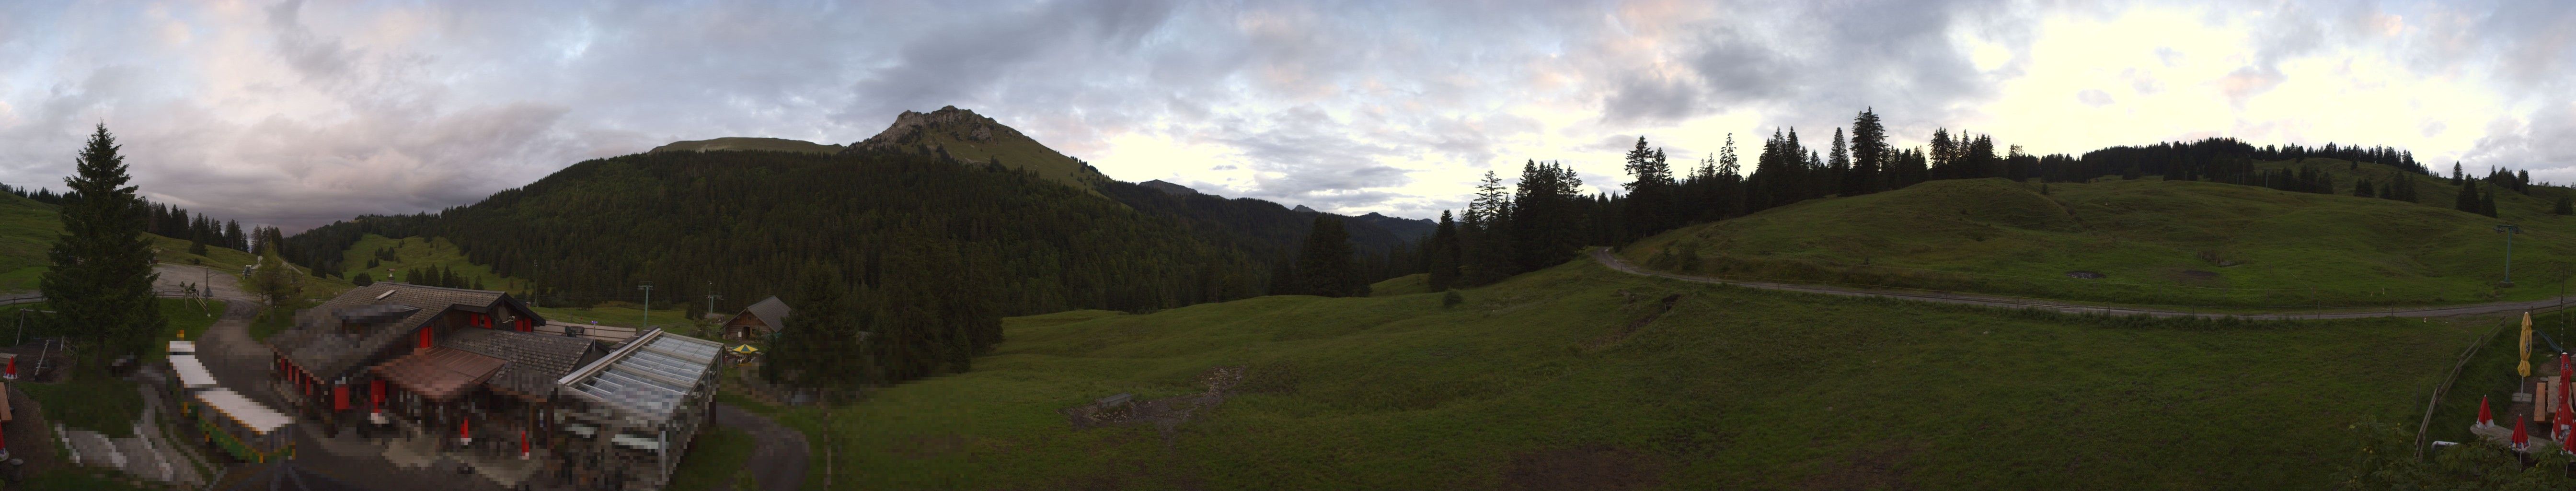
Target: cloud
297,113
2093,97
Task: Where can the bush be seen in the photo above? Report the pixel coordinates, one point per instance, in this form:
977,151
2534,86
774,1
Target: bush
1451,299
362,280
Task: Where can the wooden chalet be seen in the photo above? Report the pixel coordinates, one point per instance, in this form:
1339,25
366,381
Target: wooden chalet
758,320
430,360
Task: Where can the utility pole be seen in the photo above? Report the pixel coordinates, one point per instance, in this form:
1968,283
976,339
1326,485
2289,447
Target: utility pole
2508,231
712,297
647,287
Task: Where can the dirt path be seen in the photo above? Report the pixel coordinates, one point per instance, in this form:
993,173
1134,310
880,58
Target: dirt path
1603,256
779,460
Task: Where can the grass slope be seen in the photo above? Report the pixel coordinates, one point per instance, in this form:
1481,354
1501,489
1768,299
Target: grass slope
1530,384
418,252
1402,285
28,229
2173,243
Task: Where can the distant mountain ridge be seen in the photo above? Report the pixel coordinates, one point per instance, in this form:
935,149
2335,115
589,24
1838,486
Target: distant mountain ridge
1164,186
748,143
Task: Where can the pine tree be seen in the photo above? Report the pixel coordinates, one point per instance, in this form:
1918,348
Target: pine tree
2486,202
1869,151
2467,200
1650,197
1483,238
1838,163
2565,206
1324,265
1443,254
101,276
1943,150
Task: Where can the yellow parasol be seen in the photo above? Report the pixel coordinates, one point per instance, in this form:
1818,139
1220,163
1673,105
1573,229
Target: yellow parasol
2524,369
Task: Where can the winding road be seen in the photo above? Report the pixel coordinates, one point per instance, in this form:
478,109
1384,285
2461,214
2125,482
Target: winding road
1603,256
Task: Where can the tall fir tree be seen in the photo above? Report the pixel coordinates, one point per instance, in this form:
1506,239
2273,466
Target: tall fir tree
1325,266
1484,237
101,276
2467,199
1443,255
1649,200
1869,152
1839,165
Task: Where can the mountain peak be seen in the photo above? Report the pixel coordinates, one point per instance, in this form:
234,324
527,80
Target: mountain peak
964,124
971,137
1304,209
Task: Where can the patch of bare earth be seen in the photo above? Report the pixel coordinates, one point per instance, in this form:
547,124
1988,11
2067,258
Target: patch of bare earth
1166,414
1599,467
1866,470
1652,310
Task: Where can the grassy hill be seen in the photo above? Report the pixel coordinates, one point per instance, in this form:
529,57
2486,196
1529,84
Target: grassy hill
417,252
2152,241
1539,383
749,143
28,229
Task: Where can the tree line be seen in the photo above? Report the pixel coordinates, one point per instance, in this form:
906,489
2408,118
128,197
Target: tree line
171,221
1541,220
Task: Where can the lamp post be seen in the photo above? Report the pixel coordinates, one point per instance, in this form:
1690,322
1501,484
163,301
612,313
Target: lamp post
2508,231
647,287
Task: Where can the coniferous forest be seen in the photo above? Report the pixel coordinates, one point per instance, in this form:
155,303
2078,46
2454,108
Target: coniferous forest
927,253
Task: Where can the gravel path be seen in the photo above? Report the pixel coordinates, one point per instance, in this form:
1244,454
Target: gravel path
779,461
1603,256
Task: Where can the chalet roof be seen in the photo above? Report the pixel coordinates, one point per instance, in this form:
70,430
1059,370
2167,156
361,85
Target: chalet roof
440,373
390,310
646,378
771,312
535,360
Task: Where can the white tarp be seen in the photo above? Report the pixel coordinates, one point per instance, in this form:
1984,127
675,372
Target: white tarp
248,413
192,372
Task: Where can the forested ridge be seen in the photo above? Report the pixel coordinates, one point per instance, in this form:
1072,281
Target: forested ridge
925,251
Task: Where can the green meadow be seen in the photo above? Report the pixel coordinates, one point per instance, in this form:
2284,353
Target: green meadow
2153,242
1566,378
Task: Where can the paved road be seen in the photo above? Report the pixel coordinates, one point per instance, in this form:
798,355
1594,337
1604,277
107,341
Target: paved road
1603,256
780,459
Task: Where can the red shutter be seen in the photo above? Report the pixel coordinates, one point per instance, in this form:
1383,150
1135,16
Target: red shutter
376,395
425,337
340,397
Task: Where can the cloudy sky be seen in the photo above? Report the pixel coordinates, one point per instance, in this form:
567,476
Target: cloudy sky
296,114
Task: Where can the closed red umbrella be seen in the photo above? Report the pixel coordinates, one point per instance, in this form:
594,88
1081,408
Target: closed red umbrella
2565,424
2521,442
2485,417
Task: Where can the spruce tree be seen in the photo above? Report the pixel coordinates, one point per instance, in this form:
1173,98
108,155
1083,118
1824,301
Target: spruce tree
1869,153
101,279
2565,206
1443,254
2467,200
1325,266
